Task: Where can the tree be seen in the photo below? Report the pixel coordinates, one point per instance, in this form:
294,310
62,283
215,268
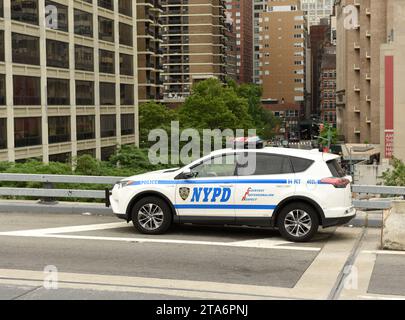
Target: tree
154,115
395,177
215,106
328,133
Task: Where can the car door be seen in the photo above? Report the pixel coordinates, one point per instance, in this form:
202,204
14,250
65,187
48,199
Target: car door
210,192
260,189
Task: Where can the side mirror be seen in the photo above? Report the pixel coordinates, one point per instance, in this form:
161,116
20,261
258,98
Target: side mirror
187,174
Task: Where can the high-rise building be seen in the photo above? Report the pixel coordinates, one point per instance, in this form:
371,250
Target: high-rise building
315,10
241,12
259,6
230,49
149,28
194,45
392,79
68,84
361,30
327,85
282,59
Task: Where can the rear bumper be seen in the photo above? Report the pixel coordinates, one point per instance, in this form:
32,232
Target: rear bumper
338,221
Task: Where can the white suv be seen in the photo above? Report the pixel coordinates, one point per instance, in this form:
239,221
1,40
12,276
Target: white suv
295,191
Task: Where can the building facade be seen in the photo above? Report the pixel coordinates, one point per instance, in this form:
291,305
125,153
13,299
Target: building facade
194,45
241,13
259,6
327,83
149,29
282,58
361,30
68,86
231,50
316,10
392,73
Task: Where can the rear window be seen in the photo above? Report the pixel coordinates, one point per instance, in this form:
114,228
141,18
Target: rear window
266,164
336,169
300,164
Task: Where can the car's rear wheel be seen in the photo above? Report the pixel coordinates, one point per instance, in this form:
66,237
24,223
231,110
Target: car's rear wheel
298,222
151,215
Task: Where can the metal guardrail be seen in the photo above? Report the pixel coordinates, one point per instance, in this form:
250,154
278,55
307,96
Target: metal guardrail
49,179
48,191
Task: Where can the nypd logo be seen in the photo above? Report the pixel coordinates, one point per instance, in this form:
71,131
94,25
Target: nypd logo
207,194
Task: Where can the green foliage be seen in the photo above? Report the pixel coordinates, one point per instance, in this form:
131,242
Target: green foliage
324,134
395,177
154,115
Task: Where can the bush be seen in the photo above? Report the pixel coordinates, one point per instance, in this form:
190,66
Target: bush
395,177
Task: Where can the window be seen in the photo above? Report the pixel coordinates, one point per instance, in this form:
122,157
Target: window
221,166
84,93
27,91
126,64
27,132
83,23
127,94
108,126
61,157
84,58
105,29
300,164
25,11
25,49
87,152
57,54
3,133
125,7
62,22
335,169
2,90
107,152
108,4
107,94
59,129
107,61
265,164
58,92
127,124
126,34
85,127
1,45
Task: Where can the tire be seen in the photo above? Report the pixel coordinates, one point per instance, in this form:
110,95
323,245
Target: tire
298,222
151,215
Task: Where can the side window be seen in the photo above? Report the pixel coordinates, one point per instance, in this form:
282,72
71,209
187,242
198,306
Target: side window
268,164
221,166
300,164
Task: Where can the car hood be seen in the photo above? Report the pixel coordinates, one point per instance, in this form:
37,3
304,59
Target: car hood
155,175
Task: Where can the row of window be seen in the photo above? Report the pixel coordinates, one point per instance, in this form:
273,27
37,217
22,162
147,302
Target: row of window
25,50
27,11
27,92
28,131
66,157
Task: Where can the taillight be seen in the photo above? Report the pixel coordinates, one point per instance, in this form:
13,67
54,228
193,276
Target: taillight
336,182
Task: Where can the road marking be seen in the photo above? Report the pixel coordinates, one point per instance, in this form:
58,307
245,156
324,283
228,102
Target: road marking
57,233
376,297
384,252
89,227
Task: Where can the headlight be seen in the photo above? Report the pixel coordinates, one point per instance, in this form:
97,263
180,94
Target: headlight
124,183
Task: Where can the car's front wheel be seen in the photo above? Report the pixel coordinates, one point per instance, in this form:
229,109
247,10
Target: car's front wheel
151,215
298,222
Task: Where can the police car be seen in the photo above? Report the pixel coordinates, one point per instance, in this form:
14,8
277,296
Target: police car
295,191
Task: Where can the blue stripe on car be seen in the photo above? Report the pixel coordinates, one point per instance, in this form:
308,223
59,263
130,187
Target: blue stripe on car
225,206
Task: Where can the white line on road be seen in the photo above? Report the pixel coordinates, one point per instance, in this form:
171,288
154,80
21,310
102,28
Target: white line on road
400,253
57,233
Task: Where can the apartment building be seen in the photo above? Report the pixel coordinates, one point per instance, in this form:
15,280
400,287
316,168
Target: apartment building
361,30
67,86
282,59
327,85
194,45
149,28
241,13
231,49
316,10
259,6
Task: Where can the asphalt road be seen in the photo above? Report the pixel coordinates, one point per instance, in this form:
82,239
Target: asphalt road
100,257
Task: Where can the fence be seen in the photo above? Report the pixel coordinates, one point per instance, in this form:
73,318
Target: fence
48,190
